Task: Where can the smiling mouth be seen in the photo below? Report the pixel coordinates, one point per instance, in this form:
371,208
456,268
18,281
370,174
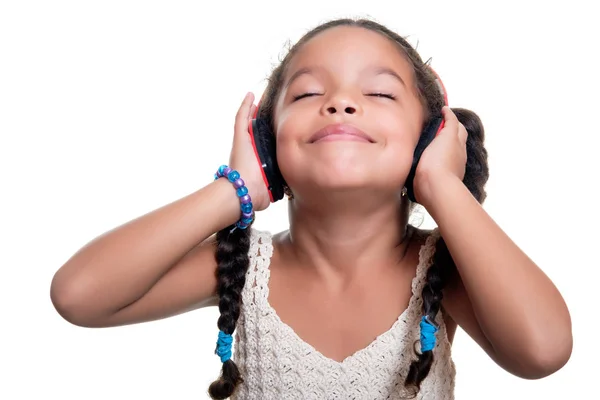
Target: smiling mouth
340,132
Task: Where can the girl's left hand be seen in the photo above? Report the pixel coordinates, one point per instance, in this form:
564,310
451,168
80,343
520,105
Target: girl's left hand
444,158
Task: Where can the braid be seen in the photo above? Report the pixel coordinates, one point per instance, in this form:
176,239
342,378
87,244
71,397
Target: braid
233,261
442,267
432,296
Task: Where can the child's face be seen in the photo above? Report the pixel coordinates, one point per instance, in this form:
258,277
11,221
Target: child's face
345,65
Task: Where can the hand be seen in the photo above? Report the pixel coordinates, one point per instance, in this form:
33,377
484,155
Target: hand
444,158
243,158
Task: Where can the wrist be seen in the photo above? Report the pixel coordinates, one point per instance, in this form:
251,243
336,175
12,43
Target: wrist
226,201
432,188
246,207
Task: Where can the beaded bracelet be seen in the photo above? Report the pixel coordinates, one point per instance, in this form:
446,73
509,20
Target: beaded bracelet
242,191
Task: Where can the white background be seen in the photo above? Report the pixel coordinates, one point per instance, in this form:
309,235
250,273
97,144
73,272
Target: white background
111,109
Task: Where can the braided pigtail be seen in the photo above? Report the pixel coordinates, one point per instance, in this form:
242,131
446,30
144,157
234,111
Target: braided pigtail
442,267
432,295
232,259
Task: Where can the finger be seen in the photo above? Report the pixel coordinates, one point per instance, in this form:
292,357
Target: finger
463,134
252,112
450,120
241,118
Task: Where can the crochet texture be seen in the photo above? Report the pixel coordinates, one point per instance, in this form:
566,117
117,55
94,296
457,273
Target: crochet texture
276,363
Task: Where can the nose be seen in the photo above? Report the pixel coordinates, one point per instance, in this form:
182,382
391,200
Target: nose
341,103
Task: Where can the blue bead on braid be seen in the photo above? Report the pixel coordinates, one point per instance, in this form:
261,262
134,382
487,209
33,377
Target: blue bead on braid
242,192
223,349
428,331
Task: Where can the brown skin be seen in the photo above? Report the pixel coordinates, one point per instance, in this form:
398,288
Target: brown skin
341,267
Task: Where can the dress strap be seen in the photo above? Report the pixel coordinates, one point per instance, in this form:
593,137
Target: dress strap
426,254
255,290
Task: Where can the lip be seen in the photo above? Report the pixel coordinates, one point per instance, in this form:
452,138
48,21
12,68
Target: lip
340,132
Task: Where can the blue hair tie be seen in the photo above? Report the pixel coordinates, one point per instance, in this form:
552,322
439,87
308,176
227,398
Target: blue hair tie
428,331
223,349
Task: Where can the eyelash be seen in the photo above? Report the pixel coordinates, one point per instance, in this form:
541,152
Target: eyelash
386,95
301,96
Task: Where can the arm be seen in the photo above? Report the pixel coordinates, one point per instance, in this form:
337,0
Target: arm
157,265
160,264
501,298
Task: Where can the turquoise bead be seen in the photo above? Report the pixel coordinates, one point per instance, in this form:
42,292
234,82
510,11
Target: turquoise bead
233,176
242,191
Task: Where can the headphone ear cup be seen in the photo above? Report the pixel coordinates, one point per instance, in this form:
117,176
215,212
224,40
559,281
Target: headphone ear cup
264,147
426,138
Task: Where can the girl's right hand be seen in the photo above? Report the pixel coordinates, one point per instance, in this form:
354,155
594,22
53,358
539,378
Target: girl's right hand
243,159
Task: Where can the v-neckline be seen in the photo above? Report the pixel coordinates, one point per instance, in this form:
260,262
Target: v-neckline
350,359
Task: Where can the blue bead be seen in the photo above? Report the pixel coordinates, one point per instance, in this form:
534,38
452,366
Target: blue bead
247,208
222,169
247,220
242,191
233,176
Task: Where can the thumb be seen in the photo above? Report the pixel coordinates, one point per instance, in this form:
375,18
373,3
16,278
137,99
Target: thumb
242,118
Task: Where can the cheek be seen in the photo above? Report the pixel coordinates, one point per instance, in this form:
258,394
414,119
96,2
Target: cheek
400,138
285,126
395,160
287,136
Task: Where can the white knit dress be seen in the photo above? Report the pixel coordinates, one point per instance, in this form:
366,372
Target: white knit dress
277,364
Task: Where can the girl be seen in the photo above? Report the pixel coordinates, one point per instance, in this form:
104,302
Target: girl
351,302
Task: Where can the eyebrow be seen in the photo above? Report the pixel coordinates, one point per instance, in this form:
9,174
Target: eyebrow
390,72
295,75
376,70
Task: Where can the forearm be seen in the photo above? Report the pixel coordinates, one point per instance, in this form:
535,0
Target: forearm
518,308
120,266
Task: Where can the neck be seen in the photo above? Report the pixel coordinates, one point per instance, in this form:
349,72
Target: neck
345,236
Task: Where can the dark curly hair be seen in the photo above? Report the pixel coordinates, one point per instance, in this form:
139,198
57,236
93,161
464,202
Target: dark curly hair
233,247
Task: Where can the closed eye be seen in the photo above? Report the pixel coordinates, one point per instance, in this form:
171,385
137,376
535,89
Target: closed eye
386,95
301,96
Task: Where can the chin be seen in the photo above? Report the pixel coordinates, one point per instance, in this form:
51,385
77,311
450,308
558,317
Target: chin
333,171
344,168
343,179
342,182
